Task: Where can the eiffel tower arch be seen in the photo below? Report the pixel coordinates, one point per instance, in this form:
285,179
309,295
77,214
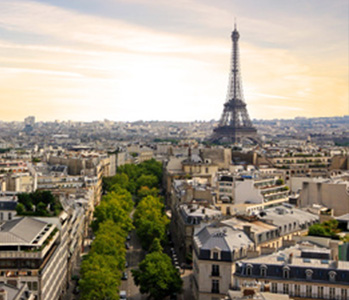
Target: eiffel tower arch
235,124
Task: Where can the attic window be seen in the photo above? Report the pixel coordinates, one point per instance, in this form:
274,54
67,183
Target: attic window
332,275
309,274
249,270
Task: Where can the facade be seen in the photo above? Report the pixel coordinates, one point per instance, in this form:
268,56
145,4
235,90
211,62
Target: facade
216,248
185,219
304,271
329,193
240,238
255,191
34,252
7,209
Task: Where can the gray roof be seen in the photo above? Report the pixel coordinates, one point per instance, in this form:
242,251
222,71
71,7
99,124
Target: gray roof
21,231
13,293
224,238
282,215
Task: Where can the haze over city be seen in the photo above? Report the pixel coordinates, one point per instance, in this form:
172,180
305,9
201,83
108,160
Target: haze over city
169,60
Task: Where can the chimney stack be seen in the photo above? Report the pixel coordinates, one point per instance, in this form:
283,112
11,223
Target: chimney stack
247,230
3,294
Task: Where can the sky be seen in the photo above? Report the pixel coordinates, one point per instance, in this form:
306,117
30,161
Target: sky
128,60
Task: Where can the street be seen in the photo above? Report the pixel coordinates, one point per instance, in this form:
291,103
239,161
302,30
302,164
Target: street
133,256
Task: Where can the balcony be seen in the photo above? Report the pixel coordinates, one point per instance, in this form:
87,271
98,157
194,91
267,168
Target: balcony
38,254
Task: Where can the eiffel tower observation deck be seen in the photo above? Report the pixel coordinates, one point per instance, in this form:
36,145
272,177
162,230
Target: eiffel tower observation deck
235,123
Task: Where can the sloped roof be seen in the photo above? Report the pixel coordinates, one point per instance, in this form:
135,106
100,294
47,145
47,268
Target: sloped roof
224,238
20,231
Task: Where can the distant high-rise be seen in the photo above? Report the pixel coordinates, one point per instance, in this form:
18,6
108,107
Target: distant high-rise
235,123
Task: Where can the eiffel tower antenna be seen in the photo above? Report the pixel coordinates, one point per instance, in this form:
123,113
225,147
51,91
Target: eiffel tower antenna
235,123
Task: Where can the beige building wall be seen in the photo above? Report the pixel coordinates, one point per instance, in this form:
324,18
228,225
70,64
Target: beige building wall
331,195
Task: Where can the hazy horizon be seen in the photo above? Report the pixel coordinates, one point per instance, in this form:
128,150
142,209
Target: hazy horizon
127,60
173,121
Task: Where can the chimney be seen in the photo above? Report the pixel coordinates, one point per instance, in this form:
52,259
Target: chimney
290,258
247,230
3,294
336,261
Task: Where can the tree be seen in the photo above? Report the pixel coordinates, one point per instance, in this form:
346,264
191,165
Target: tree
20,209
147,180
150,221
145,191
99,280
112,210
157,276
156,246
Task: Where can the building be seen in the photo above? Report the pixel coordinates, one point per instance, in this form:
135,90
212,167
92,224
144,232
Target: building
252,190
185,219
331,193
304,271
7,208
216,248
34,252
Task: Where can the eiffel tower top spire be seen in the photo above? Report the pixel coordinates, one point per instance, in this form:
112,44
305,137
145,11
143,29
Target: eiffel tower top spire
235,86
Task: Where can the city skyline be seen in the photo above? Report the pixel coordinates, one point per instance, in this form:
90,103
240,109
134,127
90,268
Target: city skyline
132,60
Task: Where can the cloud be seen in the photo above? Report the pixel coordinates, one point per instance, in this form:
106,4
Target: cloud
68,62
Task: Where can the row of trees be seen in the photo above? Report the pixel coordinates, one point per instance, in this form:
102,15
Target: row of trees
101,270
150,221
156,274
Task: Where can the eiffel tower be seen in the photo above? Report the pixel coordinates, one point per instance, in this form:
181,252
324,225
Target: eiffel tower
235,123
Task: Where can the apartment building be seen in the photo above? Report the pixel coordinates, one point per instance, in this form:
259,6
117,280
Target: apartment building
34,252
216,248
304,271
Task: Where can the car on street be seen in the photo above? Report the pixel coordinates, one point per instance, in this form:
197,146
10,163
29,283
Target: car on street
124,276
123,295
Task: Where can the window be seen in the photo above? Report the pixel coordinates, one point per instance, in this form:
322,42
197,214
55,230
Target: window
344,294
35,286
285,288
320,292
215,270
10,216
286,272
249,270
309,274
215,255
308,291
332,276
263,271
215,286
297,290
332,293
274,287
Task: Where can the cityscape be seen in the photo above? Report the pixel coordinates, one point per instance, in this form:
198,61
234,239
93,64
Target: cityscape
123,177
